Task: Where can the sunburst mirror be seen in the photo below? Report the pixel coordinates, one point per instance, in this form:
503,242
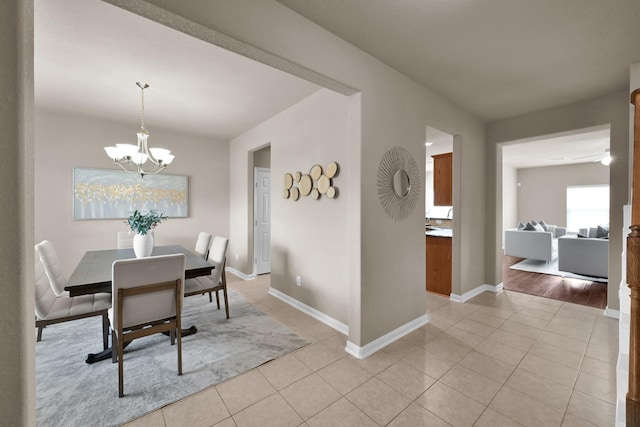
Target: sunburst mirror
398,183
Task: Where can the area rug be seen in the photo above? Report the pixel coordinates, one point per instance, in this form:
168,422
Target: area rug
70,392
537,266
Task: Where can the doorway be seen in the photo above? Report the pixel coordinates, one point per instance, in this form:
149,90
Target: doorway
438,211
537,176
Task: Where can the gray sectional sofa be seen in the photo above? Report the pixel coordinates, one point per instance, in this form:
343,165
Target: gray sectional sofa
541,245
587,256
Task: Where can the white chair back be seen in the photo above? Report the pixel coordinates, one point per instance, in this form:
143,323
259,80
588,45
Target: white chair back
135,272
52,267
125,240
45,298
202,244
217,256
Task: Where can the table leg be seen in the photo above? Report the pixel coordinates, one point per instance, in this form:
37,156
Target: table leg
103,355
186,332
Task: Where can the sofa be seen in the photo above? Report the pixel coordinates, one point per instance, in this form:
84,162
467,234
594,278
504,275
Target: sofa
540,245
586,256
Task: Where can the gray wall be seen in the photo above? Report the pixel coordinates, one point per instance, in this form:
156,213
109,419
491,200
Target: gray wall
262,158
510,198
542,194
308,237
61,144
17,357
386,109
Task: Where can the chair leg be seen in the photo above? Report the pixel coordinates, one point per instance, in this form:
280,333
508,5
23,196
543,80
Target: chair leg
114,346
40,328
105,330
211,299
179,333
224,289
120,369
226,300
218,300
172,335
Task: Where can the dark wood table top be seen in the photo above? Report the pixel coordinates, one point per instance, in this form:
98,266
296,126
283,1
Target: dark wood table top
93,273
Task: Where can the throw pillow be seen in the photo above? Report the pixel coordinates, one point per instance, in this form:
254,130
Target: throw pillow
529,227
520,226
602,232
538,227
544,225
532,222
583,232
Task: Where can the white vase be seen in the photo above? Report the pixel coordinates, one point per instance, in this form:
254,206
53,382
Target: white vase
143,245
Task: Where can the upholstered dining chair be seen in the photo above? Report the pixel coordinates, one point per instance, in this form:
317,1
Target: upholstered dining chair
125,240
202,244
147,299
51,309
217,281
52,267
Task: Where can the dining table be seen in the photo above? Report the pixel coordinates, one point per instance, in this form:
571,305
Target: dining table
94,275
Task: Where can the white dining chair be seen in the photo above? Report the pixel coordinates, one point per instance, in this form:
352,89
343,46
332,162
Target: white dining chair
51,309
147,299
52,267
125,240
217,281
202,244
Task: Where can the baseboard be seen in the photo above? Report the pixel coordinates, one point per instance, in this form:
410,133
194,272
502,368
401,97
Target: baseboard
610,312
316,314
367,350
475,292
240,274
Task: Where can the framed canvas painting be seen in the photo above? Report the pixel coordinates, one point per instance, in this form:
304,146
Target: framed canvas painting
114,194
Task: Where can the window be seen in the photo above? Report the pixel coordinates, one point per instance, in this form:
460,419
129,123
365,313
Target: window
587,206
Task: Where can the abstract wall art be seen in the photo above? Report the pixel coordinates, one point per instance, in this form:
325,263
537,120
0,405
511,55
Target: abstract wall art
114,194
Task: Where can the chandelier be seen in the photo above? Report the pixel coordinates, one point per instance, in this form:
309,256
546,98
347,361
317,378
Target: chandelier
131,158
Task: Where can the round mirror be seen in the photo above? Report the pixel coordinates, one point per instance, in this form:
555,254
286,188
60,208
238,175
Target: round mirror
401,183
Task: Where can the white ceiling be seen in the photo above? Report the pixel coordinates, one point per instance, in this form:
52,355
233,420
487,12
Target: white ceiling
496,58
579,147
88,55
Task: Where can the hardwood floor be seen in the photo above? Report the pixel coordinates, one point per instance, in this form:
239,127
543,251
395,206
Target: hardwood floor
585,292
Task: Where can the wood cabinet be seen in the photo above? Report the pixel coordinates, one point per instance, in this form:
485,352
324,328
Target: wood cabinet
443,179
439,265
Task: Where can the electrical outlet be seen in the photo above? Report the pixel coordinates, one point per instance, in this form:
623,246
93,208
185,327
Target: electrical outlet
298,282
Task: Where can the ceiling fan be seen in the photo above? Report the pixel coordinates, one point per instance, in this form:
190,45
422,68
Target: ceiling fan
605,158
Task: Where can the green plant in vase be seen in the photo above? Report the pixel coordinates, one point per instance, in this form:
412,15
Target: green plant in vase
142,223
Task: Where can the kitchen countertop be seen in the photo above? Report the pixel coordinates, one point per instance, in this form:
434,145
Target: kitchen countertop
439,232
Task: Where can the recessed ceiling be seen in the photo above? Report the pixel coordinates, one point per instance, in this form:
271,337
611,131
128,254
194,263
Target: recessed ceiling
495,58
579,147
88,55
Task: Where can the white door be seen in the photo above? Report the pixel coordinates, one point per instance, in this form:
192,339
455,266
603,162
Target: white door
262,221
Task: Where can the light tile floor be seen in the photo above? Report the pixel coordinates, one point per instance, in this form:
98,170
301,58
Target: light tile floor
505,359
